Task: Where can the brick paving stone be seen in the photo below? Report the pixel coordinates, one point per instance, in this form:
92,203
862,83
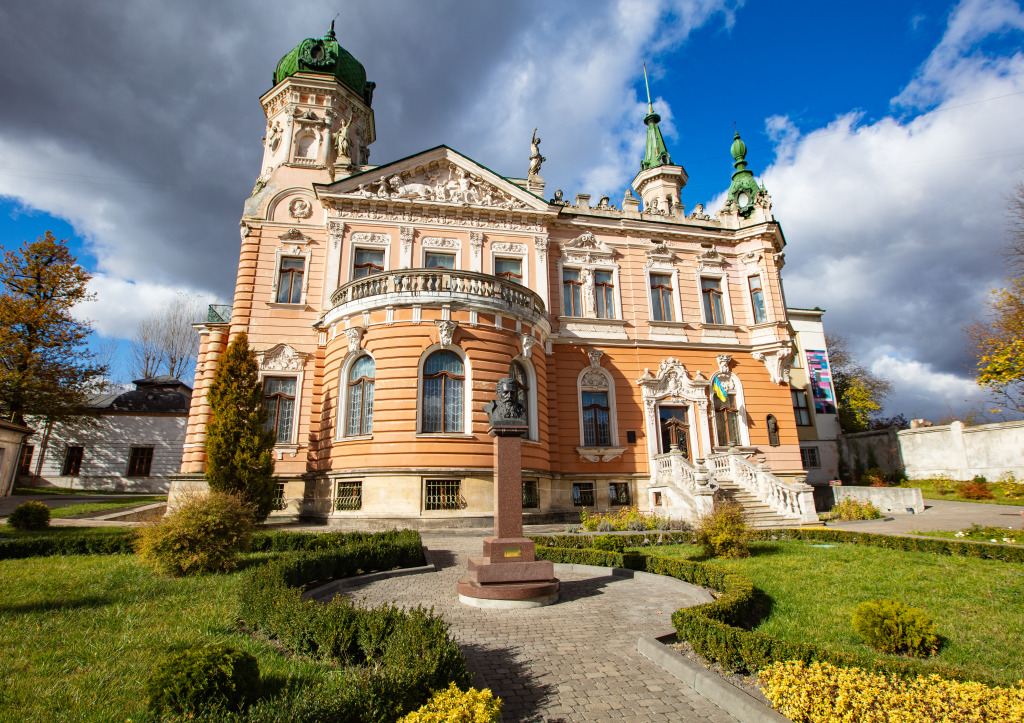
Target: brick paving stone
575,660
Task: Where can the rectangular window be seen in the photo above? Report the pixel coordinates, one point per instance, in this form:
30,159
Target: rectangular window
711,292
596,421
279,399
809,457
510,269
618,493
803,414
727,421
349,495
604,290
757,299
25,463
661,297
572,293
289,280
72,462
140,460
443,494
368,261
531,497
438,260
279,501
583,494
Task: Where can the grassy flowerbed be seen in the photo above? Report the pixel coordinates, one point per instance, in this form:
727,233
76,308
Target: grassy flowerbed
944,489
978,533
812,591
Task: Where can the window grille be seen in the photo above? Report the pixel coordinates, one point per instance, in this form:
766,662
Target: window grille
809,457
72,462
279,501
444,494
360,397
443,380
349,495
140,460
618,493
279,399
583,494
661,297
531,497
289,280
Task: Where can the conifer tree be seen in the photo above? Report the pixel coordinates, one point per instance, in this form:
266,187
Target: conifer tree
239,450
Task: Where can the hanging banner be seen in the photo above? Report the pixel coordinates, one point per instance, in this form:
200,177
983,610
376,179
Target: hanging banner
821,382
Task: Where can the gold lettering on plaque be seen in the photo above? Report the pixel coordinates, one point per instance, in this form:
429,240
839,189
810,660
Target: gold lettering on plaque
513,552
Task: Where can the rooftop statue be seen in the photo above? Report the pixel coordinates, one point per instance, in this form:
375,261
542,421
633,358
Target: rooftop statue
535,157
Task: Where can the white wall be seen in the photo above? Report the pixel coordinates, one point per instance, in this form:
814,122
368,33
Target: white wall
963,452
107,441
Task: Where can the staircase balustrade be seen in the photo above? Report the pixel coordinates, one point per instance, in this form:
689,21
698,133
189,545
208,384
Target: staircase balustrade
795,501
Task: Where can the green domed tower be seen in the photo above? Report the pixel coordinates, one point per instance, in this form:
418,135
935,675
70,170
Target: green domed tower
744,189
325,56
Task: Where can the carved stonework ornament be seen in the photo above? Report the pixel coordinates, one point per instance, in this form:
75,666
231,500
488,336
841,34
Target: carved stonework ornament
445,332
439,182
376,239
300,208
528,343
594,380
293,236
595,357
723,363
587,249
436,216
442,243
244,229
672,380
777,362
508,248
336,230
281,358
710,259
355,336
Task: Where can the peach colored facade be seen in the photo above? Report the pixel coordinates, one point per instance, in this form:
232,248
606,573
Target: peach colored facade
313,307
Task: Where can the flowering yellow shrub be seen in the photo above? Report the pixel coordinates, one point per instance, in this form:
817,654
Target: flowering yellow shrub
823,693
454,706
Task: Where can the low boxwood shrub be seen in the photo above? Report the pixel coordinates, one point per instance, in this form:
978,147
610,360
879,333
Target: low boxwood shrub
29,515
822,693
456,706
213,677
205,534
393,658
584,541
609,543
723,532
889,626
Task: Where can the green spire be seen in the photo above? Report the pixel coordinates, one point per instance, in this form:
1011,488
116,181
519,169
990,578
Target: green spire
744,189
656,153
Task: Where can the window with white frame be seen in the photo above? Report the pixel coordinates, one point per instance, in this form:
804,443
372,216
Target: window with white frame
368,261
727,422
438,260
757,299
290,274
604,292
444,379
572,293
279,400
359,399
711,299
509,269
596,408
661,297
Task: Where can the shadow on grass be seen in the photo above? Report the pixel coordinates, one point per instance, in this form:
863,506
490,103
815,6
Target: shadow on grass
61,605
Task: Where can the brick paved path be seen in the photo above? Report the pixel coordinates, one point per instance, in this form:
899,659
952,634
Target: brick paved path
575,661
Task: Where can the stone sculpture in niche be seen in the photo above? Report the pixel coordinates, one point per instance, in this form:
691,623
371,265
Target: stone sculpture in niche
341,142
773,430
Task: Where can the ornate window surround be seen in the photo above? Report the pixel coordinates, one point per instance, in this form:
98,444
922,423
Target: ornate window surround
365,240
732,385
531,374
596,378
507,250
340,430
673,386
284,361
588,253
723,279
660,261
467,392
293,244
435,244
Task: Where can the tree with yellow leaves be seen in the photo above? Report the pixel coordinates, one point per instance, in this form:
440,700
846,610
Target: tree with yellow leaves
999,345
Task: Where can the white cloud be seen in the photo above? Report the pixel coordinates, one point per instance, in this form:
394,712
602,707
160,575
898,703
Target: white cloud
895,226
119,305
920,389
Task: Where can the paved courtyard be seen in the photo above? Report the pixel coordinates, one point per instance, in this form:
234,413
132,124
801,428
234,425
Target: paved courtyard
575,661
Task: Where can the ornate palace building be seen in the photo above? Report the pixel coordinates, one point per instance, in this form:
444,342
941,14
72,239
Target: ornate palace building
384,303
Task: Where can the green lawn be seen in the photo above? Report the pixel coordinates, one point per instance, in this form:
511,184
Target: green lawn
928,491
79,635
8,531
72,510
976,533
25,491
978,605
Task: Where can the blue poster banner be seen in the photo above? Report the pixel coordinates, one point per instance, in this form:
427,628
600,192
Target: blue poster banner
821,382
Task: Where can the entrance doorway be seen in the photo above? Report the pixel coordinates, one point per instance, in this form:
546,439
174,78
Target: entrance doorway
675,430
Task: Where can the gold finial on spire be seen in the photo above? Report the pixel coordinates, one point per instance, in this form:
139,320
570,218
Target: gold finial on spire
650,108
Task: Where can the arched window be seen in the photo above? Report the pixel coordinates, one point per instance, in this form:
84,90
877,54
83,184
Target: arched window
518,372
443,380
360,397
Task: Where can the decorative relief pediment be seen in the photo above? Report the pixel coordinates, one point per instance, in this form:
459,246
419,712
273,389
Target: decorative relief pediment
376,239
587,249
508,248
710,258
672,380
432,242
594,381
660,255
751,259
294,236
439,181
281,358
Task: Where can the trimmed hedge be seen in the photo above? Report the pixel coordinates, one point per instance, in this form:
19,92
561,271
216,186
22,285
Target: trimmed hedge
720,630
935,546
392,659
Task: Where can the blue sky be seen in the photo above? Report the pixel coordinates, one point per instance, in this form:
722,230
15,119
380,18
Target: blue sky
888,134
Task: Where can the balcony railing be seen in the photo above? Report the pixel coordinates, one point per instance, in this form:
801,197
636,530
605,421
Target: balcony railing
439,285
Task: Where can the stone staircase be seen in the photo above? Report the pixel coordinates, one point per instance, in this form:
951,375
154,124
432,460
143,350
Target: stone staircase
759,515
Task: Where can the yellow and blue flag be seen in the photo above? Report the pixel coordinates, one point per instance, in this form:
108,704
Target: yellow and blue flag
716,384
